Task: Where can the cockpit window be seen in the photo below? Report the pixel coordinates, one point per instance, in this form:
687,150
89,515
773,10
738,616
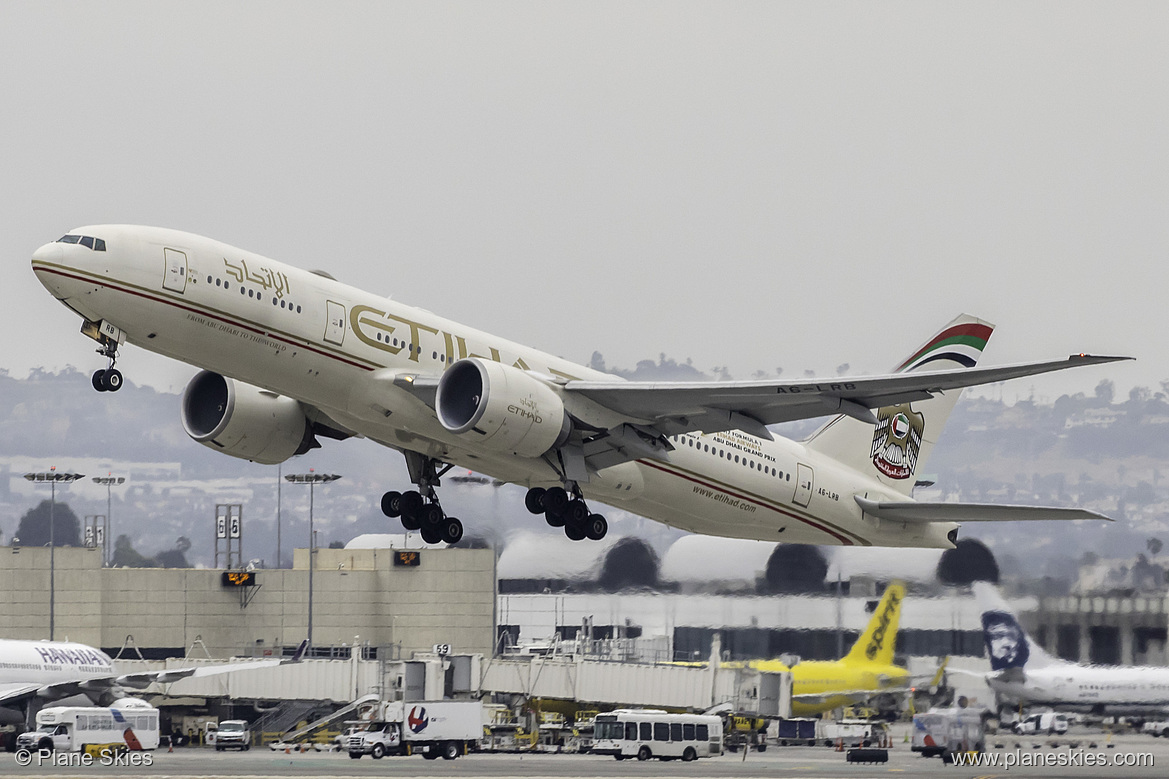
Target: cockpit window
97,244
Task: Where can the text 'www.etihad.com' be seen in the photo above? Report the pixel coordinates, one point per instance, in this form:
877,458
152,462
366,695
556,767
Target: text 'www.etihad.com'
1071,758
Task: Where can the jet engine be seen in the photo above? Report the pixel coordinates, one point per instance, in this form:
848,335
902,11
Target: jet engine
244,421
501,407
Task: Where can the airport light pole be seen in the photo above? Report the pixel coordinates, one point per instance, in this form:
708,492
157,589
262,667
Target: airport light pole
52,476
109,480
312,479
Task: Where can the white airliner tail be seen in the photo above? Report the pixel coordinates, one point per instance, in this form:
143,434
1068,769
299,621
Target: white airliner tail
905,434
1007,644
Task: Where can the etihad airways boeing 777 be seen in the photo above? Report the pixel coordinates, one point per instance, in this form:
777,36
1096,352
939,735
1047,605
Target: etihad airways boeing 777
290,355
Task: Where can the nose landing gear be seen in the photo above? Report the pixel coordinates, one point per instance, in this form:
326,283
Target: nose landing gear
570,512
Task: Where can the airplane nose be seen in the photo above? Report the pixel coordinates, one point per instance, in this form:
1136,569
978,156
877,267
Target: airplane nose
50,252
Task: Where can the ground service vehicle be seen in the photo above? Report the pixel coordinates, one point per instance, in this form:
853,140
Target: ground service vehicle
646,733
1156,729
71,728
433,729
796,731
1047,722
947,731
233,734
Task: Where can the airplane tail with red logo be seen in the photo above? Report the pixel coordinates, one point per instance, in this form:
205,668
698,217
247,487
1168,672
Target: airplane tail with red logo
895,449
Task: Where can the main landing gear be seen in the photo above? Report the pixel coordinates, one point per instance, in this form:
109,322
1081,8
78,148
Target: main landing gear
109,380
420,509
560,509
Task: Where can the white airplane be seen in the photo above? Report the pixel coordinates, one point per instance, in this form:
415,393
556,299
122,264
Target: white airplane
1022,673
34,672
292,355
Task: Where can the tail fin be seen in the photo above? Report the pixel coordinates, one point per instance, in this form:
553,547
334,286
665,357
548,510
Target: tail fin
877,643
1007,645
905,434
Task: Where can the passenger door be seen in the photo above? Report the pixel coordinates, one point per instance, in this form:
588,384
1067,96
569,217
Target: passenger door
175,274
804,480
335,326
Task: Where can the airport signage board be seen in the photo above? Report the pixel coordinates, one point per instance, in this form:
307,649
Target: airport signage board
408,557
239,578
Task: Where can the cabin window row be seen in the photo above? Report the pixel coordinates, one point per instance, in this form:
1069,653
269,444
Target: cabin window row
259,297
743,460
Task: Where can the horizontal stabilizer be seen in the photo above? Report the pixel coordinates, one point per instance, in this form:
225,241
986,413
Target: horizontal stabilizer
915,512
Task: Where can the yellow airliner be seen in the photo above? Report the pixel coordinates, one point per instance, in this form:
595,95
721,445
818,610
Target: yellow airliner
867,670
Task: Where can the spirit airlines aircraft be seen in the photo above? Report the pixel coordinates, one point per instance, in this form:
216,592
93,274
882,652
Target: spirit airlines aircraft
32,672
1021,672
290,356
867,670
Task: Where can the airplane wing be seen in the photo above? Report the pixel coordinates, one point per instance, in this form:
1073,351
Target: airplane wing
142,680
657,409
16,693
913,512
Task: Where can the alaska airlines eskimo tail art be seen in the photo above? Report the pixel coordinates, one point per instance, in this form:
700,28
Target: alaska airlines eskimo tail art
1021,672
291,356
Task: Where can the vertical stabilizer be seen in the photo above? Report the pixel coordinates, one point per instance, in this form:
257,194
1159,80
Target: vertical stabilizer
877,643
895,449
1007,645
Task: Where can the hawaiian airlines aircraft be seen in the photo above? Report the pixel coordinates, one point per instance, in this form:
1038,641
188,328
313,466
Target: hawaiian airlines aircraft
32,672
1021,672
290,356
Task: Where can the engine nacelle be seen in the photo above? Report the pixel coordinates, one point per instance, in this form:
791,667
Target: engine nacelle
501,408
244,421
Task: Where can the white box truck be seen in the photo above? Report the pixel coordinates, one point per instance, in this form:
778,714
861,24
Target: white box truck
433,729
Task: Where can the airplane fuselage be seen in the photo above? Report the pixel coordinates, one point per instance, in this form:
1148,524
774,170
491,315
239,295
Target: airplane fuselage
1101,689
338,348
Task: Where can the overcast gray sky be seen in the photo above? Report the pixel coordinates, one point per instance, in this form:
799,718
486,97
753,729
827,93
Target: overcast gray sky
744,184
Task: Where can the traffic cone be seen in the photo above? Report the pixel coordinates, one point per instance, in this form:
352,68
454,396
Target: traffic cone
840,745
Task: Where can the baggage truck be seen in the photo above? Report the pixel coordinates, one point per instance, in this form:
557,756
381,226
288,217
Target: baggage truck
433,729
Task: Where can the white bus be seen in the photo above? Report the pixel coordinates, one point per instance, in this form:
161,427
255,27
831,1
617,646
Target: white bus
71,728
646,733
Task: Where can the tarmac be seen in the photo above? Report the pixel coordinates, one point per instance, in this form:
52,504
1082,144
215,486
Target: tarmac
802,762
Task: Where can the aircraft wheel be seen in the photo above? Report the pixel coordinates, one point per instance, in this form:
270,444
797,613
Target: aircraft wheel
113,380
99,381
596,527
452,530
411,504
431,534
576,512
574,531
555,520
534,500
432,514
555,500
411,523
392,504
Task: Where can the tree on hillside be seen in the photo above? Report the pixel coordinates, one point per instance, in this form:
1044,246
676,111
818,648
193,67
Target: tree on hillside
629,563
33,529
795,568
125,556
969,561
